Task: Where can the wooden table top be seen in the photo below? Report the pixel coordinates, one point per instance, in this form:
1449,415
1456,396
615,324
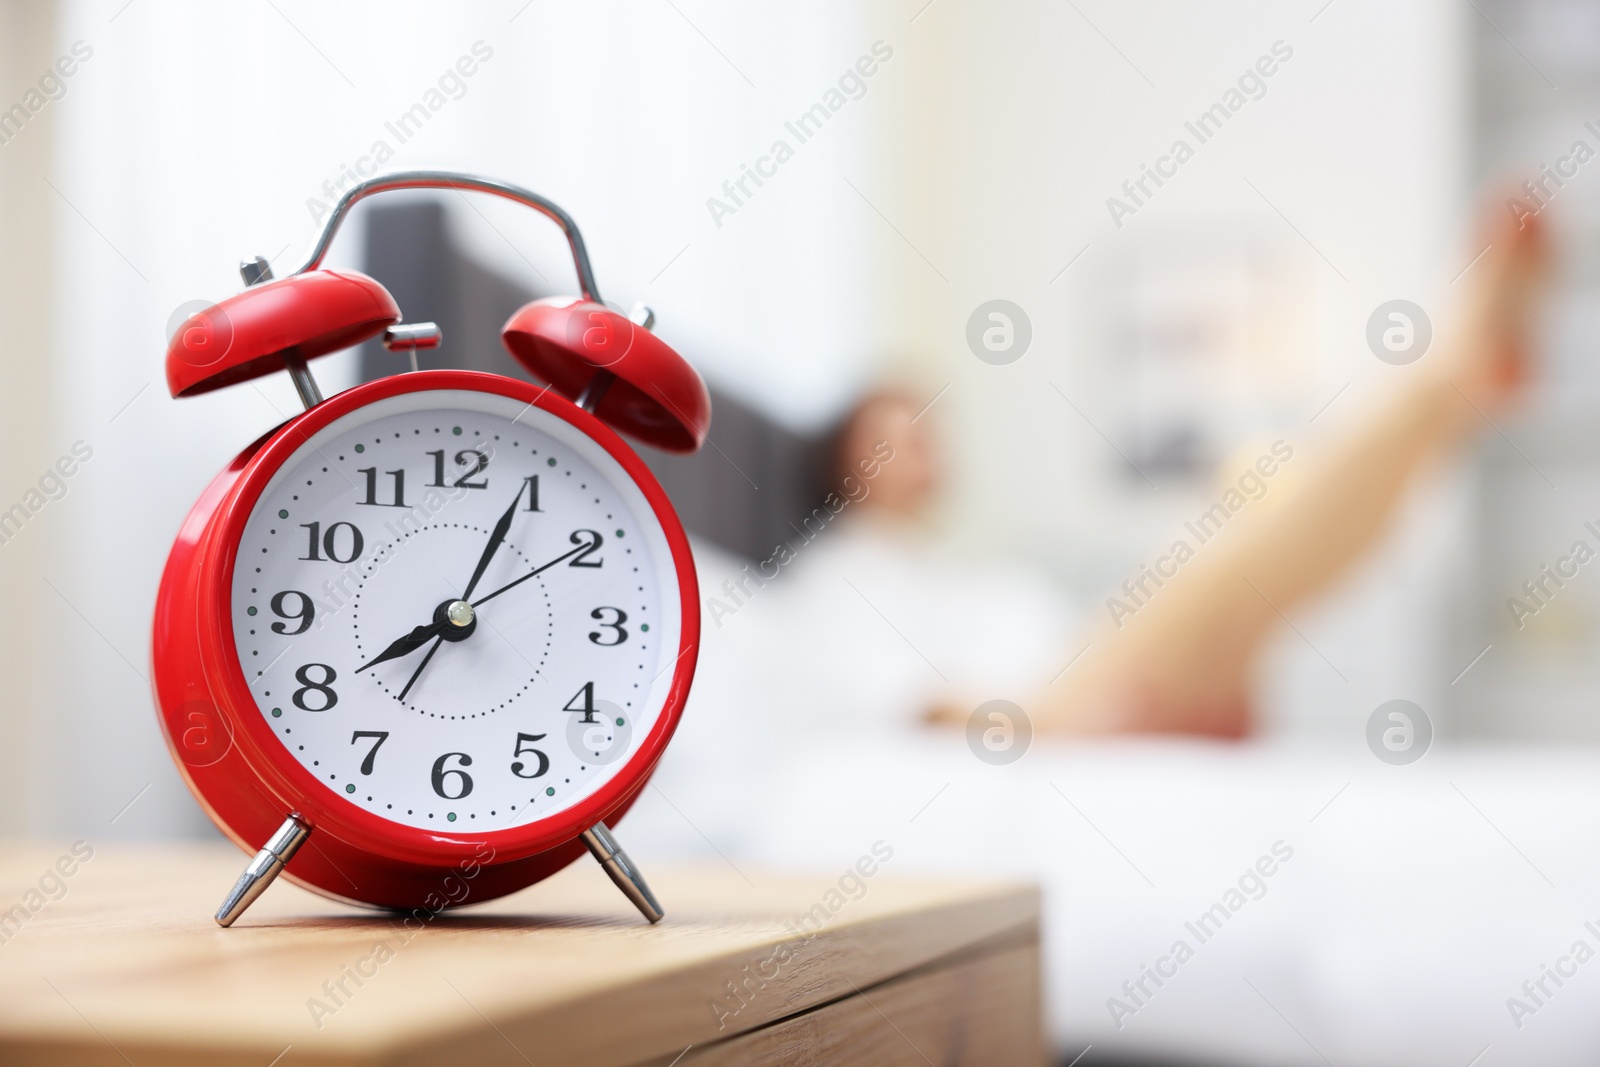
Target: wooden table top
120,962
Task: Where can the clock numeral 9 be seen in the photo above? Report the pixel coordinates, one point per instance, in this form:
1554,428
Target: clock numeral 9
324,687
304,616
615,625
479,461
524,742
329,542
440,774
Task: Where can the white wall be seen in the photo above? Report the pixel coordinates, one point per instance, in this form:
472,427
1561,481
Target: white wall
29,444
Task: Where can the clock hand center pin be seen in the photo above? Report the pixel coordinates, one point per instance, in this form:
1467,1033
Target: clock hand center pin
455,620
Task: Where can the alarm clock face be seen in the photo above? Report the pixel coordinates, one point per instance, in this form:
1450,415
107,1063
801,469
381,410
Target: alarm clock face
456,611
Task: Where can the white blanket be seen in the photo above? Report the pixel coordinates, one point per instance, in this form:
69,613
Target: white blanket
1331,908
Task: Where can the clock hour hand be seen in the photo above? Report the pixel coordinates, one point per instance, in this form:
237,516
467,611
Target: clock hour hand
404,646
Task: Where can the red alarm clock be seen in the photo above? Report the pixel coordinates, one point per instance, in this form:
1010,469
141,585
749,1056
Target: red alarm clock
422,644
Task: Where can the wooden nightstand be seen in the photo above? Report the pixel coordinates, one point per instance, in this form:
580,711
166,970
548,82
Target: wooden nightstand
126,966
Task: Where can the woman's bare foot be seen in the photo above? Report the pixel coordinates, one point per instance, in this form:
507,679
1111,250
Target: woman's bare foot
1489,355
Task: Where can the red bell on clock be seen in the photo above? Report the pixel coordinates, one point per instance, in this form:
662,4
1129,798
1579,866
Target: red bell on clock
423,644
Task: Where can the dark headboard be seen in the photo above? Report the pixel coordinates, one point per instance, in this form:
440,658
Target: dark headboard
742,491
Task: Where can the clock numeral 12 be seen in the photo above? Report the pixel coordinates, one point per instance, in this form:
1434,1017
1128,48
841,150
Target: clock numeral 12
479,461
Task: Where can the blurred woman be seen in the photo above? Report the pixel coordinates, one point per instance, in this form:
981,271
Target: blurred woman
1185,663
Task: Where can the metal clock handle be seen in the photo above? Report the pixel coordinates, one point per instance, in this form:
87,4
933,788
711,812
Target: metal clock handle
444,179
426,335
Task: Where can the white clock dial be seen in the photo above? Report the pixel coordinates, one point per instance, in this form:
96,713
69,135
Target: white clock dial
474,718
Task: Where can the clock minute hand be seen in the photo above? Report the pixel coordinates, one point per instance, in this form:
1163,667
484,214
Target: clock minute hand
498,536
586,546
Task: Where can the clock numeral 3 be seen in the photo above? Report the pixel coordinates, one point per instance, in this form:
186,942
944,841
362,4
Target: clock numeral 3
524,741
588,709
615,625
304,616
329,542
479,461
440,774
595,541
381,735
399,478
324,687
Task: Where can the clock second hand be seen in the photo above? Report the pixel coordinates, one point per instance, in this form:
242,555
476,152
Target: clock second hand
585,547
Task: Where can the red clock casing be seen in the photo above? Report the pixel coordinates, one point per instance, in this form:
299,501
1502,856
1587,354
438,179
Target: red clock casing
246,780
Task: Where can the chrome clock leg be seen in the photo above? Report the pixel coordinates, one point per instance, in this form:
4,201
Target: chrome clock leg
267,865
622,871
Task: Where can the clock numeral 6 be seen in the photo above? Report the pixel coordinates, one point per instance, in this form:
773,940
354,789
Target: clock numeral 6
329,542
440,774
615,625
304,616
381,735
324,687
523,748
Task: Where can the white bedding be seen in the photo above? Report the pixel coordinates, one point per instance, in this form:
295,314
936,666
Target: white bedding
1394,934
1416,902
